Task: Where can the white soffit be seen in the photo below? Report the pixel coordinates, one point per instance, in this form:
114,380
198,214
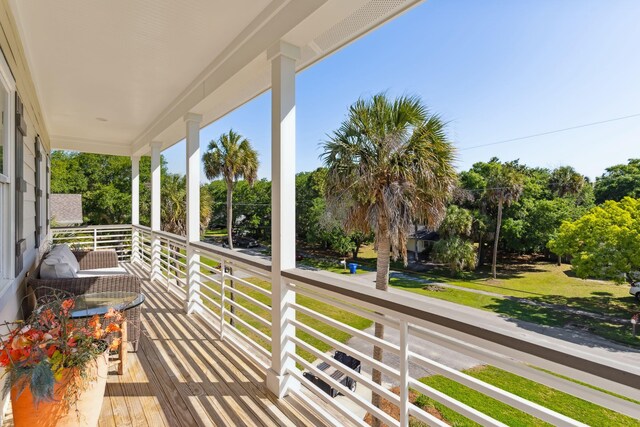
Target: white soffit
142,64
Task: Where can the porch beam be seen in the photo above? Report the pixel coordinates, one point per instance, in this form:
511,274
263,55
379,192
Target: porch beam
192,122
283,58
156,149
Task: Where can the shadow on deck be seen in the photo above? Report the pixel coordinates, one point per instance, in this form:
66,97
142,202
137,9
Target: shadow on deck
183,375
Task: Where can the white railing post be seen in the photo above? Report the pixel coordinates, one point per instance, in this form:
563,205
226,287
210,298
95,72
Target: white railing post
283,58
135,207
192,122
223,297
404,373
95,239
156,148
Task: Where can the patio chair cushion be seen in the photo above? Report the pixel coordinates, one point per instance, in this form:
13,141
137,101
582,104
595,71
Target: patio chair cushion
64,252
96,272
56,267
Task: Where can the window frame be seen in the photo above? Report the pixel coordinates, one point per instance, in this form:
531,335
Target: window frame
7,185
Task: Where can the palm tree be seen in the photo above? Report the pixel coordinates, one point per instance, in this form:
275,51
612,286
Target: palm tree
173,209
566,181
389,163
231,157
504,187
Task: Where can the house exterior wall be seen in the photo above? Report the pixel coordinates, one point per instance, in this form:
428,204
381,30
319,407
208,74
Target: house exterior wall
12,289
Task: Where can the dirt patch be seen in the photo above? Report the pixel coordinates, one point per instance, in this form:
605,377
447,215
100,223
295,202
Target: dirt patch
394,411
434,288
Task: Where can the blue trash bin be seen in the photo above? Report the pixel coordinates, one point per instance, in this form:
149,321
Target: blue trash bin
352,267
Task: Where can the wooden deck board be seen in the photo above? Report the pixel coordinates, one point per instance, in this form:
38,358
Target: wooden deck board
192,377
183,375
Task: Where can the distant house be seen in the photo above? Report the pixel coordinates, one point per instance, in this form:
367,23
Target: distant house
66,209
420,239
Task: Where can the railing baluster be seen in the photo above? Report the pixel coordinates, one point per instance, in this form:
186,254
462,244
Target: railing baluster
223,297
404,374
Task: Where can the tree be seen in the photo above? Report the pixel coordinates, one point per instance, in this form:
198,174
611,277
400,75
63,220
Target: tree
619,181
389,163
231,157
566,181
454,248
605,242
504,187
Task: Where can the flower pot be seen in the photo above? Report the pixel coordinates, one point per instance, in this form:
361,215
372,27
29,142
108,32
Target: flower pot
85,412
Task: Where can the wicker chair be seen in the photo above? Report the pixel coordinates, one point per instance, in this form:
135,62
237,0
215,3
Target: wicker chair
88,260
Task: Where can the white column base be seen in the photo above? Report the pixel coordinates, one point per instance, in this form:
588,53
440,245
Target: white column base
281,385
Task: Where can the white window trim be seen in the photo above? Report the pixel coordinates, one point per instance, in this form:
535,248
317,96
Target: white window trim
7,195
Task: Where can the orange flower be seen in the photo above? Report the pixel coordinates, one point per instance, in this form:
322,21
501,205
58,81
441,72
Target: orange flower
112,327
115,344
97,334
95,322
67,305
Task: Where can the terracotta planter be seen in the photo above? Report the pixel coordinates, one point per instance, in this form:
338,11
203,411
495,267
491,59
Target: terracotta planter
84,413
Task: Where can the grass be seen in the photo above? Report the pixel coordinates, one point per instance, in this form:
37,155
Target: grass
331,311
558,401
540,282
221,232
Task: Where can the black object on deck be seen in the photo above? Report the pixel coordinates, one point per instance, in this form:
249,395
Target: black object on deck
337,374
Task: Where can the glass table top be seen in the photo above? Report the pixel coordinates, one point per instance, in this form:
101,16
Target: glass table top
99,303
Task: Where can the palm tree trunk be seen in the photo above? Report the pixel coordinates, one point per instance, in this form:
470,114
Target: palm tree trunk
230,213
382,283
480,251
496,238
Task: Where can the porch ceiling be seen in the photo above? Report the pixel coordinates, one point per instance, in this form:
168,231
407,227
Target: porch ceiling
112,76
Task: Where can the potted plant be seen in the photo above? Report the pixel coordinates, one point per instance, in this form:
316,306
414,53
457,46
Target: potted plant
56,367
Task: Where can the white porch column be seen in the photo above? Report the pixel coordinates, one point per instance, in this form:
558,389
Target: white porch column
193,121
156,148
135,207
283,212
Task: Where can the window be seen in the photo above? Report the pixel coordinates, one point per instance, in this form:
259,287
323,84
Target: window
39,193
4,133
7,90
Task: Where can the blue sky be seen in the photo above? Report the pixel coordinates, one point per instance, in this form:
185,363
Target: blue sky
494,70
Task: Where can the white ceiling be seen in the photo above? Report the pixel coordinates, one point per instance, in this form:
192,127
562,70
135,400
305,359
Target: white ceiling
142,64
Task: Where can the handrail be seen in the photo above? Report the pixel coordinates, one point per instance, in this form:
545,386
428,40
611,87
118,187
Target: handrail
142,227
233,255
171,236
409,307
92,227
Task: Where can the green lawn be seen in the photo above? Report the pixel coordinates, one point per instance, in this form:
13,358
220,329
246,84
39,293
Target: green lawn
331,311
221,232
558,401
542,282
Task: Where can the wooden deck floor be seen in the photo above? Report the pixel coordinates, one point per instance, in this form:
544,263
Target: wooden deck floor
182,375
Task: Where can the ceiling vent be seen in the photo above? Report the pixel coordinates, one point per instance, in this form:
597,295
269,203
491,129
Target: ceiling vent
354,24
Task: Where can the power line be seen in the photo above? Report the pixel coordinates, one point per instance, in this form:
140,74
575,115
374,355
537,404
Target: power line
504,141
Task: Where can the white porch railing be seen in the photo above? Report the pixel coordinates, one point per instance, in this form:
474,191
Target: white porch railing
232,291
96,237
